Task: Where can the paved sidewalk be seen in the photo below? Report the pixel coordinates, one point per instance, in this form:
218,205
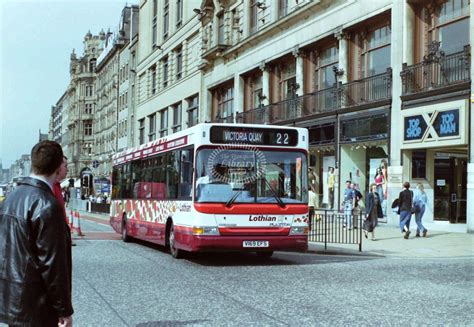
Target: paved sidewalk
390,242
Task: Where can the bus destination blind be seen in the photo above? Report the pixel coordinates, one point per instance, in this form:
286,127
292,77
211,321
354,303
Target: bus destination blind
254,136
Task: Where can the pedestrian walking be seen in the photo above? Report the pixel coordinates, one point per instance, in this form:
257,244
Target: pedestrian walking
356,209
312,204
57,190
373,211
419,204
405,202
35,248
348,204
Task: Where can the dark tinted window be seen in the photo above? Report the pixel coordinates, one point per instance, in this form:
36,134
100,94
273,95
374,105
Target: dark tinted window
418,164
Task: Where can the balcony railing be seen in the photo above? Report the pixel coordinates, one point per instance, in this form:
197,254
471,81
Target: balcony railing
357,93
437,71
226,119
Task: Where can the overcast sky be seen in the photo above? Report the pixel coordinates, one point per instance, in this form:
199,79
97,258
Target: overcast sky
36,40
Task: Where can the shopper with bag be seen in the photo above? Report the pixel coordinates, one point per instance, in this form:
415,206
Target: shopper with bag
373,211
405,202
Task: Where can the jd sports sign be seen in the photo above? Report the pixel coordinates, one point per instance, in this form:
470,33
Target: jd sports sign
445,124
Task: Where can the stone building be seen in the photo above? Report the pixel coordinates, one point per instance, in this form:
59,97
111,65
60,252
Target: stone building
383,89
58,120
168,78
112,125
81,101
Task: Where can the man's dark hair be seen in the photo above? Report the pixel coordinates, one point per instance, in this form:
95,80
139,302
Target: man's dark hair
406,185
46,157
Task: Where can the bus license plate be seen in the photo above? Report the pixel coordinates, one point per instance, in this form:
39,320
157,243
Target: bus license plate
256,244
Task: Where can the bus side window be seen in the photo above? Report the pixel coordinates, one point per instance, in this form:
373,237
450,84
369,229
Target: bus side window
116,181
186,173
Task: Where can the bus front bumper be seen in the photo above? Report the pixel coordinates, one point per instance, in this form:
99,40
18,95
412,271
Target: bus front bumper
198,243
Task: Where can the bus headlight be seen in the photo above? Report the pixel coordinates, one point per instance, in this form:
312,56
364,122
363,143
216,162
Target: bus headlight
300,230
205,230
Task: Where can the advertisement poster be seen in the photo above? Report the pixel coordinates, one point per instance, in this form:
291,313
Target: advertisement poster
329,179
378,175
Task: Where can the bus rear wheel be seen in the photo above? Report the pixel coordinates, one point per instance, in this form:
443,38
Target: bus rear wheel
265,254
125,237
175,252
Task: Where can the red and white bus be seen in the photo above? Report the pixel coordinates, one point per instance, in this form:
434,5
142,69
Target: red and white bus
215,187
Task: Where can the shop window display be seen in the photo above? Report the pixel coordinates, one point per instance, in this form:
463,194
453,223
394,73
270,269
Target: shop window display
366,163
322,176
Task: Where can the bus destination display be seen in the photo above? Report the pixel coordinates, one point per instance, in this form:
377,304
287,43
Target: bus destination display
254,136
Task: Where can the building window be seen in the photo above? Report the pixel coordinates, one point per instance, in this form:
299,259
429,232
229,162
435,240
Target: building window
376,52
153,79
88,90
179,13
87,128
220,29
323,69
224,96
151,127
141,131
288,85
193,106
165,72
177,117
154,23
282,8
92,64
166,16
253,16
179,63
88,110
418,164
451,26
253,91
163,122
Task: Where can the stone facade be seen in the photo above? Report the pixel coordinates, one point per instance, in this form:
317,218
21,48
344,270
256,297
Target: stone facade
81,102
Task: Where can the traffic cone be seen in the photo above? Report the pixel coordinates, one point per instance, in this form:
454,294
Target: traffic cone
77,227
71,220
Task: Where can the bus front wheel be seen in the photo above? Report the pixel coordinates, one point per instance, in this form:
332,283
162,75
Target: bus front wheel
175,252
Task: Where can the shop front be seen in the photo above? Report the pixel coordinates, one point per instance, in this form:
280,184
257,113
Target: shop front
351,147
364,152
435,154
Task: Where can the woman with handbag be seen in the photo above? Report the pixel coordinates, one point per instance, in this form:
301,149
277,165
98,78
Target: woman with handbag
419,203
373,211
405,201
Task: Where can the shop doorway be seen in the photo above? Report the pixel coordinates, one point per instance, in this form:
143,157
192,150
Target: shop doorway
450,188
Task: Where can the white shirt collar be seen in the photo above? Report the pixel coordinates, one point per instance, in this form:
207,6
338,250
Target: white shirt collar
43,179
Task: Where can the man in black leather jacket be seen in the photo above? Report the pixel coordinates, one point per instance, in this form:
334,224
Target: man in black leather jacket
35,248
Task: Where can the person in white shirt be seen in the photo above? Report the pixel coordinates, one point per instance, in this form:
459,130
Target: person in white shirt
312,204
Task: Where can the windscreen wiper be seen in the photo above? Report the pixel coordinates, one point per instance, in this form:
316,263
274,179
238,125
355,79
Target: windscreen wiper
279,200
233,198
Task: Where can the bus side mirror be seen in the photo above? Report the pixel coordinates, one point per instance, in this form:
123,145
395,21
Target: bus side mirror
312,160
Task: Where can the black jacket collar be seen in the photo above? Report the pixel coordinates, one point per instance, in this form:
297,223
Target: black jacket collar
35,183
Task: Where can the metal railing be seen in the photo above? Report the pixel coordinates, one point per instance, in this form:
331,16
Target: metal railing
436,71
356,93
367,90
329,226
226,119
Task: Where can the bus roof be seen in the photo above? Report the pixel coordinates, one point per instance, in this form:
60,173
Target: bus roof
201,134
